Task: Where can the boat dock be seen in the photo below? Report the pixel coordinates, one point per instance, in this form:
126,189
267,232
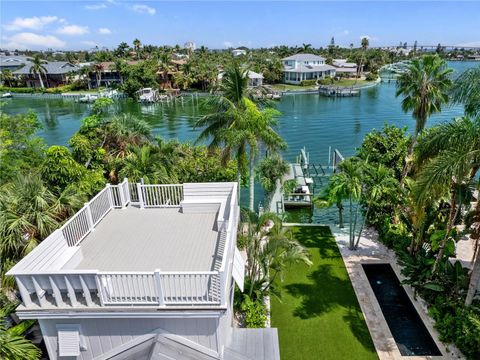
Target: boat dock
309,179
338,91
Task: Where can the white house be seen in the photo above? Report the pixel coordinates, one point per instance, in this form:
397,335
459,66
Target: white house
143,272
342,66
254,79
238,52
299,67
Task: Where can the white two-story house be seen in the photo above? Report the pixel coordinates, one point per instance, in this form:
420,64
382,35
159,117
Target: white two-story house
299,67
143,272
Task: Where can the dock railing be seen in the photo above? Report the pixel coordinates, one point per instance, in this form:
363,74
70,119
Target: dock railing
44,284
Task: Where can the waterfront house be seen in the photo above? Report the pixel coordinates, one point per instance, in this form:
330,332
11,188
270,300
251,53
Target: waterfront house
143,272
254,79
299,67
344,67
106,74
12,62
56,74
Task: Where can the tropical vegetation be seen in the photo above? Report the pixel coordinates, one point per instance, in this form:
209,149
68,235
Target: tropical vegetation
41,187
421,194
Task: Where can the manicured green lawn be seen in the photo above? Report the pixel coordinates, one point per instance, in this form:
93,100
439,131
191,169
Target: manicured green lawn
318,316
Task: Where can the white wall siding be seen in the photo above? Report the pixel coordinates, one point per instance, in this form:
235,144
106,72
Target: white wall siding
103,335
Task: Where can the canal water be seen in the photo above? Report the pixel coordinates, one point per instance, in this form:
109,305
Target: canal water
307,121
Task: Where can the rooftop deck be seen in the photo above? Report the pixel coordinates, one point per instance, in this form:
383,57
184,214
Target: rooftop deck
136,239
137,245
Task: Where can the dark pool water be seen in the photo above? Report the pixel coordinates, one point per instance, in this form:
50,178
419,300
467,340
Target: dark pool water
406,326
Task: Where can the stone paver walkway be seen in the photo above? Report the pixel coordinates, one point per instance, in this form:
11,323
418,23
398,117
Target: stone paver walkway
370,250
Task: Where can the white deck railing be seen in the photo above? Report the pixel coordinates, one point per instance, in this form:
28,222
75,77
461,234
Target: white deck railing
44,287
160,195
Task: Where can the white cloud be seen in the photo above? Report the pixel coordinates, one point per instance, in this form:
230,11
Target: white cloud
104,31
143,9
73,30
227,44
28,40
33,23
95,7
346,32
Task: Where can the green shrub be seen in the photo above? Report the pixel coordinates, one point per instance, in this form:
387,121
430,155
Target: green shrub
255,312
308,82
458,324
27,90
21,90
289,186
371,76
326,81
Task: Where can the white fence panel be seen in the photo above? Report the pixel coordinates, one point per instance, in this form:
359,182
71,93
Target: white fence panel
77,227
162,195
193,288
127,289
100,205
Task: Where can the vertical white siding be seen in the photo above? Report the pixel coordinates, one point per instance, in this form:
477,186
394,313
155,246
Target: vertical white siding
103,335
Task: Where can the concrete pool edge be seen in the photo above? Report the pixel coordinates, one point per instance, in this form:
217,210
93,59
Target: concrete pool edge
371,251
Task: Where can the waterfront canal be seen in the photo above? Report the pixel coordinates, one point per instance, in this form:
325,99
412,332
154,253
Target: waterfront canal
307,120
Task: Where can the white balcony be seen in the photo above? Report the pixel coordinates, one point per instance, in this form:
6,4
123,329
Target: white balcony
140,246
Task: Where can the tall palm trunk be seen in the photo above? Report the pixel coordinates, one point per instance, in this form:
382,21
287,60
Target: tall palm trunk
451,218
361,227
474,278
475,275
340,215
251,185
41,81
350,245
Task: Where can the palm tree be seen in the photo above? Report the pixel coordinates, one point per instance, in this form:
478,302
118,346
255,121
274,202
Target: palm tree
379,181
305,48
425,87
165,66
333,195
29,212
7,76
466,90
37,68
143,163
256,129
364,44
13,346
270,172
221,123
121,132
136,46
270,249
451,152
98,69
349,181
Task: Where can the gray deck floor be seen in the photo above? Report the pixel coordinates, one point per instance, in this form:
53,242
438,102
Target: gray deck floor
135,239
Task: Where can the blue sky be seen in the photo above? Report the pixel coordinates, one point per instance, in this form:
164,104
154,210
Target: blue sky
85,24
